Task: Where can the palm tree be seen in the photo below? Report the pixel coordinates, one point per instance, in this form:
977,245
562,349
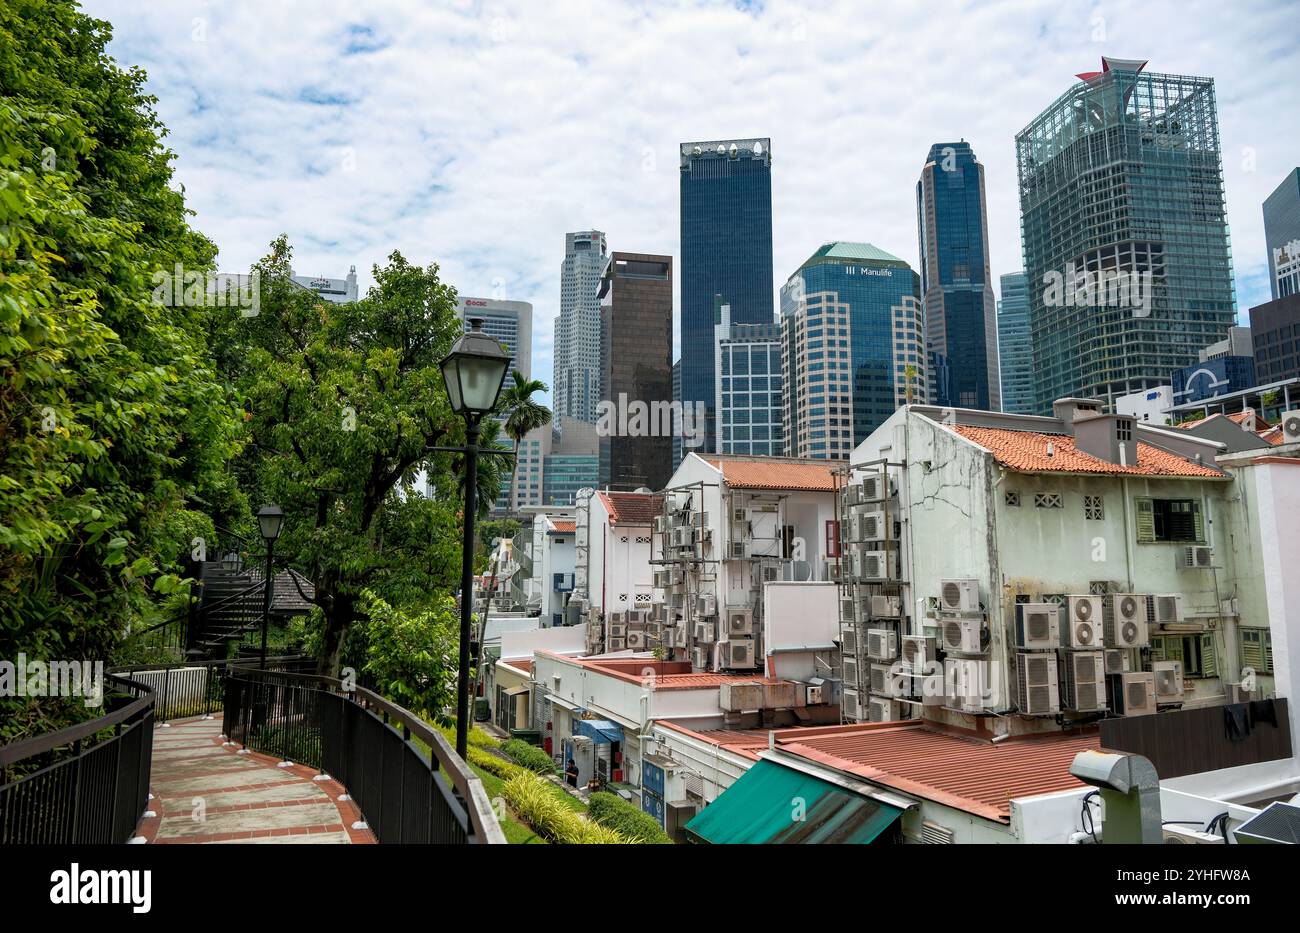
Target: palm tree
522,414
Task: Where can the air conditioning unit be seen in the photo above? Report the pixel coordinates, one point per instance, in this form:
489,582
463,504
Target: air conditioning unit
638,616
617,644
1169,681
962,635
876,488
704,631
700,656
771,574
851,706
739,550
738,653
871,526
699,519
1081,622
1083,681
1126,620
661,523
882,644
851,672
851,494
677,576
659,613
1186,835
1037,625
1116,661
833,572
959,596
1194,557
849,640
884,681
663,579
740,622
928,688
885,607
706,605
1133,694
618,617
815,694
848,609
1168,608
920,652
879,710
1036,683
1291,427
875,565
617,630
636,640
677,600
739,515
964,684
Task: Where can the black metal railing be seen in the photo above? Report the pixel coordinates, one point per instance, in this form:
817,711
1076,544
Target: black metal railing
375,748
197,688
86,784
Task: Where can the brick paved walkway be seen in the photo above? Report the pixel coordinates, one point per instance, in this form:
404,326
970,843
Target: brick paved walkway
204,791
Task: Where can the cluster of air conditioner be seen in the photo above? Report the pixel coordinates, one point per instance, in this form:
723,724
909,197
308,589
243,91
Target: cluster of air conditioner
706,605
868,526
737,654
870,488
965,682
739,622
869,607
864,565
960,597
1083,681
1194,557
962,635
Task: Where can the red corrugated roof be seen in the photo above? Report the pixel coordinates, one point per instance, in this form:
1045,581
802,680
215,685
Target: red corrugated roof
1026,451
564,527
775,472
969,774
632,508
666,675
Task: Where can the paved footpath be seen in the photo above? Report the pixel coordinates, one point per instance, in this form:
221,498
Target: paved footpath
205,791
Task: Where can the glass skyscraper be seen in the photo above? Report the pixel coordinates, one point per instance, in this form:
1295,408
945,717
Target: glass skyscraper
575,390
1282,236
956,284
1015,352
1124,231
748,399
726,258
853,347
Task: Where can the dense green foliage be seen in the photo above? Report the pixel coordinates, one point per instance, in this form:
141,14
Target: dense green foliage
528,756
617,814
412,656
532,799
111,415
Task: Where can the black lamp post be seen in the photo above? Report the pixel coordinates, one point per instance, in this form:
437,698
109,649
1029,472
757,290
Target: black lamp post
474,372
270,519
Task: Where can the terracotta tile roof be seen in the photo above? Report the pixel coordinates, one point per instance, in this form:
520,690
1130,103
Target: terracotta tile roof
1026,451
1237,418
1273,435
666,675
563,528
775,472
632,508
969,774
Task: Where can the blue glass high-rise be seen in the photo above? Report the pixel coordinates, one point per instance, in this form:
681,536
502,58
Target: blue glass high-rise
956,285
1015,349
726,258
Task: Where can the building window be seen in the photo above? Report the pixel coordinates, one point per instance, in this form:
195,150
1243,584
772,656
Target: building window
1173,520
1257,649
1093,509
1047,500
1013,499
1195,652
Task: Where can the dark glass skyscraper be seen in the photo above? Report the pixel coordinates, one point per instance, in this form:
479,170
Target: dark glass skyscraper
956,284
726,258
1282,236
1015,352
1124,231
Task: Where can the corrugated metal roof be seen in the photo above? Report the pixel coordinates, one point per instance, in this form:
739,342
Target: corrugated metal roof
969,774
1026,451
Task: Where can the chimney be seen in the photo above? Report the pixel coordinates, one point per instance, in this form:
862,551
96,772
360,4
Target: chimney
1112,438
1071,410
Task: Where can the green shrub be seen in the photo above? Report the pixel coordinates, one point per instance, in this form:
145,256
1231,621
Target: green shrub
528,756
534,800
495,765
612,811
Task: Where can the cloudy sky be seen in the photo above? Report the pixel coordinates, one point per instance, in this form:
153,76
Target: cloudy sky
476,134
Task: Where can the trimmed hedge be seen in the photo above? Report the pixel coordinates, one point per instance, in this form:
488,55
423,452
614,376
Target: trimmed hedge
614,812
528,756
531,798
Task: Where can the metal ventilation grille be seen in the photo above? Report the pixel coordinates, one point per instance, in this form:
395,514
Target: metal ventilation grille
1083,609
1086,696
1278,823
1084,633
951,594
1085,668
872,567
1037,669
1040,627
934,834
952,634
871,527
1128,607
1165,682
1040,698
909,651
1137,695
1114,662
1129,632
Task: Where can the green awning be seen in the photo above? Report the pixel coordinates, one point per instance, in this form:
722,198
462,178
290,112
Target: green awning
771,803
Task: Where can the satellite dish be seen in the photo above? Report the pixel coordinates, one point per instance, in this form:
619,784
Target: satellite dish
758,149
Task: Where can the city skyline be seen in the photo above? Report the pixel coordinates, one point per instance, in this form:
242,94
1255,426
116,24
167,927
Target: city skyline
486,191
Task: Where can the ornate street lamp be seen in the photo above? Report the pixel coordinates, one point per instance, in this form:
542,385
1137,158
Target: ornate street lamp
474,372
270,519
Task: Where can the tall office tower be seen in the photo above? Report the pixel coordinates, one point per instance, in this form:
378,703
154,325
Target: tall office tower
575,388
956,285
573,463
636,390
748,399
339,291
678,446
1015,351
1124,231
1282,236
510,322
853,347
726,213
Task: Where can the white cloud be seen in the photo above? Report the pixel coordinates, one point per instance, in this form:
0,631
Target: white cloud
476,134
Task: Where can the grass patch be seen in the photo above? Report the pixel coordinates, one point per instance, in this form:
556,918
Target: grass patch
616,813
535,800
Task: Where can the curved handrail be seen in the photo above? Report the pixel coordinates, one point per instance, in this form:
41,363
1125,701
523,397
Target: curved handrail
40,744
462,778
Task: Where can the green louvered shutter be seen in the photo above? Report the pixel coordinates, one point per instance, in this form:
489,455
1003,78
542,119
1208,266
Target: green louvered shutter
1146,522
1199,522
1209,661
1252,649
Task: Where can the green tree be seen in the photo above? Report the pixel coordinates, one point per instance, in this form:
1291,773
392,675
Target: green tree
111,415
412,657
345,402
522,413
